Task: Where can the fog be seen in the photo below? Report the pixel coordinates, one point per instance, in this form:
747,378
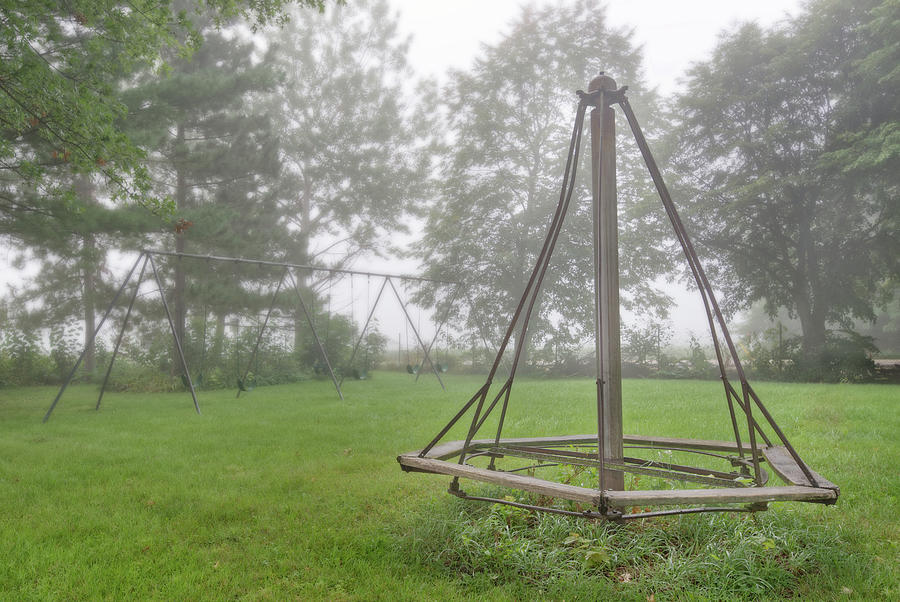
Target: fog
447,40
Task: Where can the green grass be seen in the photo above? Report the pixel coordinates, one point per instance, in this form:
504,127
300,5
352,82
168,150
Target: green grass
289,493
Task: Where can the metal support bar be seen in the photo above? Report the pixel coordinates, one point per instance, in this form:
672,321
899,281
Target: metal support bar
533,287
806,472
137,288
416,332
699,274
362,333
610,515
91,340
312,327
178,347
441,323
480,394
709,302
261,330
295,266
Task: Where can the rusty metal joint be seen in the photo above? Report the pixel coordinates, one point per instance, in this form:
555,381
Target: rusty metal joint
609,97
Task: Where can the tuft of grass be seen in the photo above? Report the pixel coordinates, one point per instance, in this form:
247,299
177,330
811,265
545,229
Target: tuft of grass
715,556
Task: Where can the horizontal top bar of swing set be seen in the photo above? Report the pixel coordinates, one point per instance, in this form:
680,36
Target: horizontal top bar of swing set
295,265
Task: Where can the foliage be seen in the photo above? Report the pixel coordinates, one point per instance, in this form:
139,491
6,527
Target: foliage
212,150
645,342
351,170
71,140
845,357
505,130
21,360
695,365
502,544
58,85
787,142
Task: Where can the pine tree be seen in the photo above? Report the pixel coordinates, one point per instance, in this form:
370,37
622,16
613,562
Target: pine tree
212,151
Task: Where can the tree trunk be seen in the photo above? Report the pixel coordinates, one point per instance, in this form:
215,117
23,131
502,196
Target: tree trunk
88,296
217,348
812,324
808,291
178,301
302,257
85,190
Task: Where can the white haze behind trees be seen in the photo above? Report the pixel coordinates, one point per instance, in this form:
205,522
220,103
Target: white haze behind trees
449,34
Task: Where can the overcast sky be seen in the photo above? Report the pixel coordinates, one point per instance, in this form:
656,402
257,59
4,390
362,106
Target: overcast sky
673,33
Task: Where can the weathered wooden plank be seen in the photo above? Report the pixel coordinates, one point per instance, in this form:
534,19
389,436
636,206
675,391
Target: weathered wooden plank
784,465
721,496
506,479
453,448
701,444
606,280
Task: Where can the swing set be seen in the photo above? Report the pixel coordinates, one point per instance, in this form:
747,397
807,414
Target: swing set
246,380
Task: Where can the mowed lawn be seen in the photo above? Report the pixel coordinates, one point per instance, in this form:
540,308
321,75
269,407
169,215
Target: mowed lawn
289,493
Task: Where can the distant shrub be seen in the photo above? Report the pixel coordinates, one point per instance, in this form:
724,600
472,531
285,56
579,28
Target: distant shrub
845,357
22,362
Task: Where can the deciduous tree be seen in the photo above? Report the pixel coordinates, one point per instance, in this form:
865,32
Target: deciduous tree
788,145
506,131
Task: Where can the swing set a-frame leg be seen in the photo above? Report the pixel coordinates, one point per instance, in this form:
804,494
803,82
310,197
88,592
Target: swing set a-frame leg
115,353
441,324
319,345
178,346
92,338
262,329
362,333
426,357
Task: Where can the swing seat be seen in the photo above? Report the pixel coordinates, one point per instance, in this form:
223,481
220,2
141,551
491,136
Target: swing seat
442,367
246,385
412,369
360,374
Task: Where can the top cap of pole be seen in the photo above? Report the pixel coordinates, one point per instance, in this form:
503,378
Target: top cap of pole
602,82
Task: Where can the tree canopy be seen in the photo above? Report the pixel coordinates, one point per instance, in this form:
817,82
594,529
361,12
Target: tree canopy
61,67
506,132
788,143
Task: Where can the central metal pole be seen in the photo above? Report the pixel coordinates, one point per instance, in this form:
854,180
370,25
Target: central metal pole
606,286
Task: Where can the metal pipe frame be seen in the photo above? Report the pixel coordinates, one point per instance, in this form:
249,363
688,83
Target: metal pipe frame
296,266
443,321
91,339
178,347
747,397
262,329
416,332
112,360
609,515
312,327
362,333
